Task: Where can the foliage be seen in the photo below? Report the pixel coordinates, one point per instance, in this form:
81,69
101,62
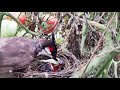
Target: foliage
90,38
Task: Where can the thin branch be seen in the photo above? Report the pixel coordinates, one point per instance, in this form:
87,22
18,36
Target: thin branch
8,14
101,16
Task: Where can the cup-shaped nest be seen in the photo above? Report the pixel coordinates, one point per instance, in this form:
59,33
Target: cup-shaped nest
37,69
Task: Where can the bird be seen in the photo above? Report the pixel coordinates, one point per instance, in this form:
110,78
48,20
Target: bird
53,66
20,51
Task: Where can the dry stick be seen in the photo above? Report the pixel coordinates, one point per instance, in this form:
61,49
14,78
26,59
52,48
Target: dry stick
66,39
98,44
69,30
101,17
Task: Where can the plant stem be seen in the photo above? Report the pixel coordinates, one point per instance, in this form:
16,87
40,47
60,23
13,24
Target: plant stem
102,69
28,31
1,17
115,68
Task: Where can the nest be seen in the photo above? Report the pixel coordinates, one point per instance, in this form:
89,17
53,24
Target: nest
70,61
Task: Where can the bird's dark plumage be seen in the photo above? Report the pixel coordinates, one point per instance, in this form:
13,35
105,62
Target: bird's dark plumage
16,51
20,51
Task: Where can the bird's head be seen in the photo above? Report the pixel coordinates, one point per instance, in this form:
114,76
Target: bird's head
48,48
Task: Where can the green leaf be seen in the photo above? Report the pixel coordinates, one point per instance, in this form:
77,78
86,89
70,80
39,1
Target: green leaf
105,74
104,65
100,62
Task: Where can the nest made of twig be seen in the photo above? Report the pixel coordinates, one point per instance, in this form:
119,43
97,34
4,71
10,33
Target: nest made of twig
71,65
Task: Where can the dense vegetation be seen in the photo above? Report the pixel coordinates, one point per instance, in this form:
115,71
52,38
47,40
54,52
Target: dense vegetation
88,42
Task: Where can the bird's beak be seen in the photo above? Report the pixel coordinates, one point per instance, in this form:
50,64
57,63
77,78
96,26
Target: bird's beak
53,61
50,61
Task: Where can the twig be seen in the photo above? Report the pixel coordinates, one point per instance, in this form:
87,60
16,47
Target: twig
19,14
101,16
8,14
